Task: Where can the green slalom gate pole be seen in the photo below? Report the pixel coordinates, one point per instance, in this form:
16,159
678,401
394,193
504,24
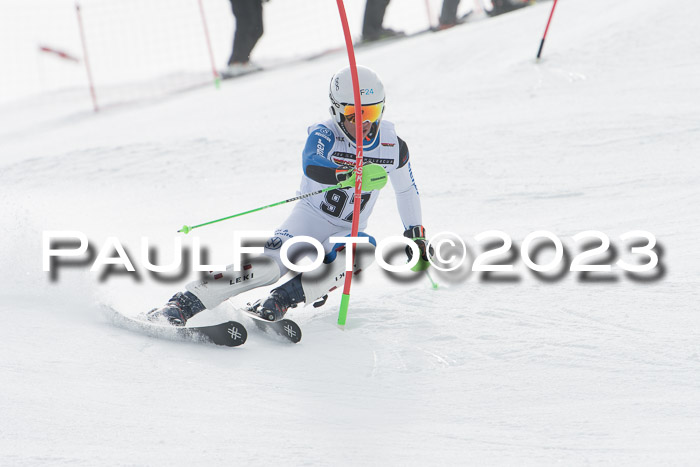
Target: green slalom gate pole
187,229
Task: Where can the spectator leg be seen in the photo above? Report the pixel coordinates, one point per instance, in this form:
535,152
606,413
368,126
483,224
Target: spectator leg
448,16
374,17
249,28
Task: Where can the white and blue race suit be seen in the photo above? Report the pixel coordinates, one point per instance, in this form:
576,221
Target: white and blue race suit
330,214
327,148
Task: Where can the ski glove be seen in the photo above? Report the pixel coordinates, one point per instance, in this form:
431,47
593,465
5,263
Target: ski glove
345,176
417,234
374,177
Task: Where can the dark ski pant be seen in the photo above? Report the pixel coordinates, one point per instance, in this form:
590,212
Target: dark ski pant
448,16
374,17
249,28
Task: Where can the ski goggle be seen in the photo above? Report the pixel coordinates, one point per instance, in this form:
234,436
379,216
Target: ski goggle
370,113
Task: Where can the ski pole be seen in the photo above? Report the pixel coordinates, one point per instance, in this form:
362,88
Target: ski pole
376,178
539,52
187,229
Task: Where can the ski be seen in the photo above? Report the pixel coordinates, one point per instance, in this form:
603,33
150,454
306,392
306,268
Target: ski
230,333
284,327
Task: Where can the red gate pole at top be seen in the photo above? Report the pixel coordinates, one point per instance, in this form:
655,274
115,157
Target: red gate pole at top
217,79
58,53
429,13
85,57
345,301
551,13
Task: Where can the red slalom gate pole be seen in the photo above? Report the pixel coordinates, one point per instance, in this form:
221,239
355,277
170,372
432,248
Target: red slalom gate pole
345,301
85,57
59,53
206,37
429,13
551,13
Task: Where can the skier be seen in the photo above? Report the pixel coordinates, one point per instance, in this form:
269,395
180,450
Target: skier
328,158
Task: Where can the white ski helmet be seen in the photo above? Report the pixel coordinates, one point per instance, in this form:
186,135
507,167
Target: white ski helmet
342,99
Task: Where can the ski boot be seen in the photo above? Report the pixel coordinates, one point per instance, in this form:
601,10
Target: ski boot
181,307
275,306
286,296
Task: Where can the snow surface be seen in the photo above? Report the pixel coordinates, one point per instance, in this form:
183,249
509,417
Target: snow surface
602,134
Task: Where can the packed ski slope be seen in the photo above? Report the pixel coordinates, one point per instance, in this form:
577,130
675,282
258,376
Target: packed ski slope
602,134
